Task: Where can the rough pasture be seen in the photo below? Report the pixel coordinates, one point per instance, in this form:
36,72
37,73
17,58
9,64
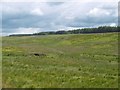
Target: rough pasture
83,60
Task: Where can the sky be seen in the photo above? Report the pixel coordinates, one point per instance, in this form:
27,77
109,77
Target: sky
30,16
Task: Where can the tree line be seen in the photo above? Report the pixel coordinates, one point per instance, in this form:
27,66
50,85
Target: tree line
101,29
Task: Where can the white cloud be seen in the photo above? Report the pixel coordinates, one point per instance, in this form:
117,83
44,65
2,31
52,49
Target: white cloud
21,30
25,31
113,24
37,11
59,0
98,12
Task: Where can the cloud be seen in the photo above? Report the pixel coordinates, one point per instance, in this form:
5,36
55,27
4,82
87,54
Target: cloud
55,3
30,17
21,30
113,24
37,11
59,0
26,30
97,12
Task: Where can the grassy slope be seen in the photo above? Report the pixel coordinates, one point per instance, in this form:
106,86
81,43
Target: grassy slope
87,60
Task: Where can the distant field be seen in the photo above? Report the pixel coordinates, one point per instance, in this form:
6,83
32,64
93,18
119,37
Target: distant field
61,61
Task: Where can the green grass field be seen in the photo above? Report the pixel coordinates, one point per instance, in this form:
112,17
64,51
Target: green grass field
65,61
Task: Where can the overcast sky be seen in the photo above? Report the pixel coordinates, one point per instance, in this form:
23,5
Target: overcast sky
31,17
